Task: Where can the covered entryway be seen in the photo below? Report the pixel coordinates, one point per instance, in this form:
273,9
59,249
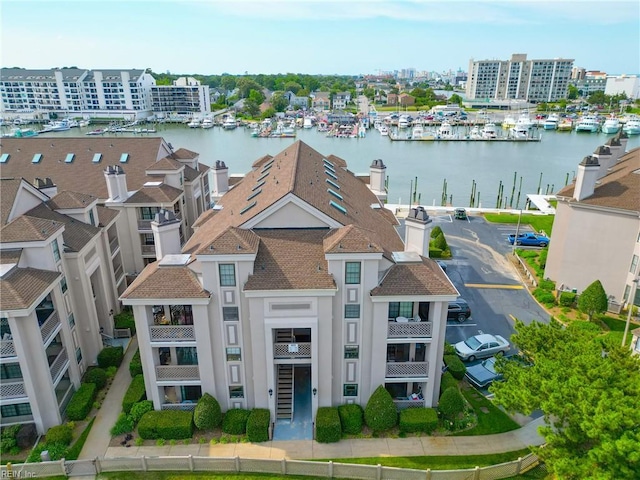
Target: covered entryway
294,415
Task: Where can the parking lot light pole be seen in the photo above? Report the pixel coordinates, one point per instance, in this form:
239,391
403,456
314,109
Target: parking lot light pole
515,239
630,301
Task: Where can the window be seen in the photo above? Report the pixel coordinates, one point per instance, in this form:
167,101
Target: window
63,284
352,273
400,309
236,392
351,351
634,264
227,274
92,219
16,410
72,320
187,355
56,250
4,327
352,311
78,355
181,315
233,354
9,371
148,213
230,314
350,390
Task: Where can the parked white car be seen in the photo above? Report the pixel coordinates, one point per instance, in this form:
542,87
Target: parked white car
481,346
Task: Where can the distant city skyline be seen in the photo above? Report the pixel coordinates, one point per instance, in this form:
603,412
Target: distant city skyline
331,37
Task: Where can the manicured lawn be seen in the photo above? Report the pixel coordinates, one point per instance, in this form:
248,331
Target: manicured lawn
537,222
195,476
495,421
616,329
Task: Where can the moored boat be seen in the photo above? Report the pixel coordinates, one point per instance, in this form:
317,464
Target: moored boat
508,122
99,131
489,131
551,123
230,122
207,123
611,125
565,125
588,123
632,127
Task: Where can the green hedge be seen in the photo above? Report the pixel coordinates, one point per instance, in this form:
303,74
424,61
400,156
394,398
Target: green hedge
451,403
96,376
135,393
414,420
258,425
110,357
135,367
8,440
235,421
166,424
548,285
567,299
544,296
380,413
455,366
125,319
449,349
440,242
435,231
82,401
328,429
207,414
60,434
351,418
139,409
124,424
448,381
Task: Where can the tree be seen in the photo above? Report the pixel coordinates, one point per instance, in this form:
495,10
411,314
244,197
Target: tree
598,98
251,107
207,414
572,92
588,390
455,98
257,96
380,413
593,299
279,102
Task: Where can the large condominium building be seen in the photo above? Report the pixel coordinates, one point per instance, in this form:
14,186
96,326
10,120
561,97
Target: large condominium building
59,264
135,176
185,96
519,79
295,287
627,84
91,93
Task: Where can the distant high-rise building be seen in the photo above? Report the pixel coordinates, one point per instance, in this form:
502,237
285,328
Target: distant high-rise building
519,79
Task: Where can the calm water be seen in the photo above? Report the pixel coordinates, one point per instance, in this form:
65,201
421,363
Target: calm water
459,163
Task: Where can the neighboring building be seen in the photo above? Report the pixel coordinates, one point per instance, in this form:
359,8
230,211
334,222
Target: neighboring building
136,176
406,100
627,84
340,100
59,264
596,232
592,81
296,101
321,101
392,99
185,96
297,284
578,73
72,91
544,80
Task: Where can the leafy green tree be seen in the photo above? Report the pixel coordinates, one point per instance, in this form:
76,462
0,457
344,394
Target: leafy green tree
279,102
268,113
572,92
455,98
418,92
251,107
380,413
228,82
369,93
257,96
598,98
593,299
294,87
588,390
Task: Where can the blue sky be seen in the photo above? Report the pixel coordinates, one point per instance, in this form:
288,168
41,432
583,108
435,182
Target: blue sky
307,36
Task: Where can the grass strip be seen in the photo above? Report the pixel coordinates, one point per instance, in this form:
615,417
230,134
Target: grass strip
74,452
537,222
495,421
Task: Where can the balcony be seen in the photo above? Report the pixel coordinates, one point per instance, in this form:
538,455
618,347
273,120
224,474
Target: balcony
179,406
49,326
177,372
407,369
118,272
12,390
409,329
404,404
144,225
292,350
7,348
149,250
58,364
172,333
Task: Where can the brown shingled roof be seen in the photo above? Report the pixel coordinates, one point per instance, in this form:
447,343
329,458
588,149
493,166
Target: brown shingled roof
234,241
71,200
21,287
29,229
10,256
619,189
76,233
9,188
184,154
106,215
165,282
350,239
419,278
204,217
155,194
290,259
166,163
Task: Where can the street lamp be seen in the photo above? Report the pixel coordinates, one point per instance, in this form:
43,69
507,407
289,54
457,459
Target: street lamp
630,301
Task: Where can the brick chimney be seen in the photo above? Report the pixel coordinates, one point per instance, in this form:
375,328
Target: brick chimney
46,186
220,174
166,234
586,178
116,183
417,228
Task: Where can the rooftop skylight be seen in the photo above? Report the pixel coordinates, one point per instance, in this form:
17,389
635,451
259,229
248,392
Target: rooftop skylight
263,176
333,184
248,207
335,194
69,158
4,157
331,174
97,157
258,185
338,206
36,158
254,194
124,158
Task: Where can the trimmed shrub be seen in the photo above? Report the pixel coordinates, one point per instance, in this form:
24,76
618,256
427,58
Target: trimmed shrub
435,252
455,366
451,403
542,258
125,319
135,367
166,424
97,376
567,299
60,434
448,381
139,409
110,357
8,439
124,424
258,425
380,413
351,417
328,428
548,285
440,242
135,393
207,414
413,420
80,404
435,231
449,349
544,296
235,421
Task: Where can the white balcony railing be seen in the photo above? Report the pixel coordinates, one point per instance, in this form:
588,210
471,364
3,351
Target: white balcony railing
7,349
177,372
144,224
172,333
58,364
292,350
407,369
409,329
12,390
49,326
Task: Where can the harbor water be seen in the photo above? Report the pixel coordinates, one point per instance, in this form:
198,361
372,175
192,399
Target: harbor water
539,167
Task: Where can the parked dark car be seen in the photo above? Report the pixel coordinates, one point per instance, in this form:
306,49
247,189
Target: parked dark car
460,214
459,310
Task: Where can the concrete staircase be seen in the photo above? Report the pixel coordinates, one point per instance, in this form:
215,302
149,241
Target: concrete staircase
284,395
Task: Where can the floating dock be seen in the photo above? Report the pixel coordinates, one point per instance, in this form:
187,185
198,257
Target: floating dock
430,138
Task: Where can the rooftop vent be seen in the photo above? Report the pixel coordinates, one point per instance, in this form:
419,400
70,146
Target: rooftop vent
335,194
254,194
333,184
331,174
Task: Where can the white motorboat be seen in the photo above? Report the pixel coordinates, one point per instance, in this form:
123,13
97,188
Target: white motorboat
632,126
384,130
403,122
207,123
551,123
194,123
519,132
611,125
57,126
230,122
524,121
508,122
475,133
445,131
417,132
588,123
307,122
490,131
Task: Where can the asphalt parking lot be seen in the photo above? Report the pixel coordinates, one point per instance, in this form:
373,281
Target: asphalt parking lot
483,275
